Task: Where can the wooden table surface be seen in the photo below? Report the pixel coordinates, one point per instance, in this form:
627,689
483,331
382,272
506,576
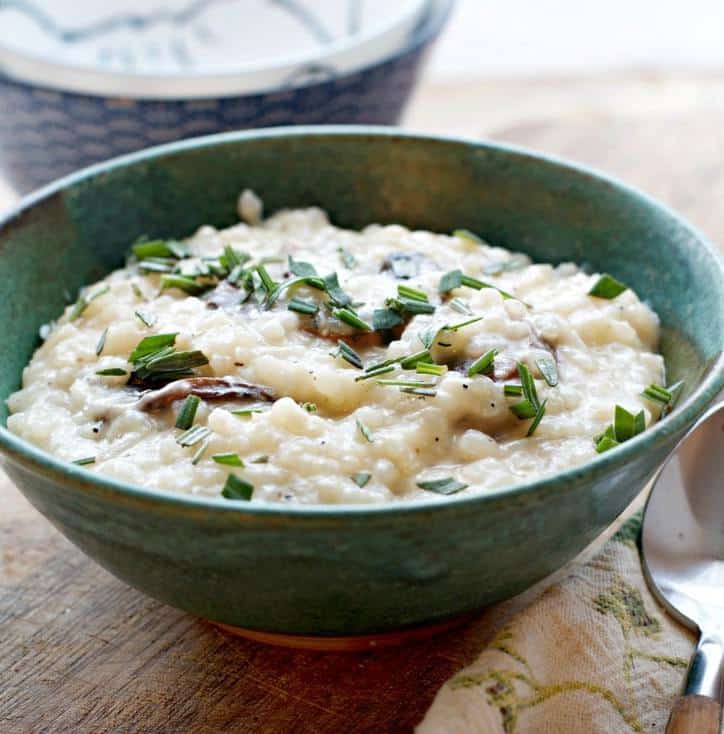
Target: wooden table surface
82,653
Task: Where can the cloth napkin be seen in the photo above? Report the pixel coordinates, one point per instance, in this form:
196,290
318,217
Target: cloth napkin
595,653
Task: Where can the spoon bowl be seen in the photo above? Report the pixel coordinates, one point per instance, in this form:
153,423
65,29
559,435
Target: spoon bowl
683,552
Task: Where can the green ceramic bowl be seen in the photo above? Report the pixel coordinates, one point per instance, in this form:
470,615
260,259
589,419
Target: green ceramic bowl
352,570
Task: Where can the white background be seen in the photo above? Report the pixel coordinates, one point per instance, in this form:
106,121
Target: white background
530,37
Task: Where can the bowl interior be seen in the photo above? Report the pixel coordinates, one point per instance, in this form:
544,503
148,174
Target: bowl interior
74,233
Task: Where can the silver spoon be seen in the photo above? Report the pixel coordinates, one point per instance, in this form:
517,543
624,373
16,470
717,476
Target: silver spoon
683,553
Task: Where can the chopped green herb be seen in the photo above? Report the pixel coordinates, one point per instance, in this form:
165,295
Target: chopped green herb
310,407
512,390
405,383
457,304
85,461
361,479
456,279
375,373
145,317
425,368
466,234
483,364
427,392
448,485
410,306
627,425
233,259
348,259
84,301
405,291
607,287
247,412
658,394
548,369
524,410
349,355
152,248
228,459
675,391
194,435
350,318
101,342
237,488
150,344
312,281
186,415
605,443
112,372
263,459
168,364
462,324
364,431
307,308
410,362
385,318
540,412
200,452
183,283
137,291
301,269
267,282
157,265
505,266
337,296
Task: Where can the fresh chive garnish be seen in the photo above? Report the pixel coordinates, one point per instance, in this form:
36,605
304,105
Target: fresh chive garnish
349,260
112,372
168,364
448,485
375,373
228,459
456,279
410,362
405,383
426,392
540,412
279,288
457,304
237,488
627,425
137,291
483,364
247,412
349,355
406,291
658,394
607,287
157,265
185,417
310,407
524,410
337,296
308,308
194,435
152,248
361,479
512,390
267,282
410,306
233,259
301,269
145,317
466,234
183,283
84,461
150,344
462,324
364,431
425,368
385,318
505,266
351,319
548,369
101,342
607,440
263,459
675,391
84,301
200,452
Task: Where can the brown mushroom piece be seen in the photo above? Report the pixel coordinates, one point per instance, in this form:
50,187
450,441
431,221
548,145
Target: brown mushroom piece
206,388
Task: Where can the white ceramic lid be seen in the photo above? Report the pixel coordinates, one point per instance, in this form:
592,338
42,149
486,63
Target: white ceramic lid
197,48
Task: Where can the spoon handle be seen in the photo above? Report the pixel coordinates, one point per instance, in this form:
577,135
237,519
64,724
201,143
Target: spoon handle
695,715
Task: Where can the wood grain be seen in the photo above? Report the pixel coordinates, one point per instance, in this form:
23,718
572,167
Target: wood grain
82,653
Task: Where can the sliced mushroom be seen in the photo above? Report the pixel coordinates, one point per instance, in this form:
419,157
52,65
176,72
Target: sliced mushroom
207,388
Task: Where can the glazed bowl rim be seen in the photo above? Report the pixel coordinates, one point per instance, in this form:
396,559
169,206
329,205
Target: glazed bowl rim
45,464
144,86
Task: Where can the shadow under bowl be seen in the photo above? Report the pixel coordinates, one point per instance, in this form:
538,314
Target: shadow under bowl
350,570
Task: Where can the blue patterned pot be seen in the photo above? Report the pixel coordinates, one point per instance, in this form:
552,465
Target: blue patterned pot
45,133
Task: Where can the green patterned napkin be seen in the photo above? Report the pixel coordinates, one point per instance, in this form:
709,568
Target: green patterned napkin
595,654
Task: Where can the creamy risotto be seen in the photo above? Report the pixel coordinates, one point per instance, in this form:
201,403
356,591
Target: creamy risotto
287,360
